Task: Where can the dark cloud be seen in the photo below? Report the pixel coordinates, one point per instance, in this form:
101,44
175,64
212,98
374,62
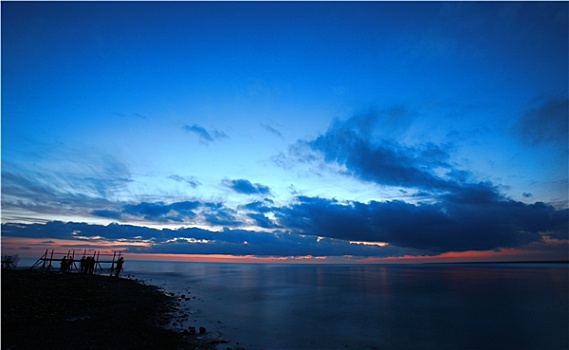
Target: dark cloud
222,217
240,242
185,207
474,220
105,213
451,212
263,221
205,136
477,218
473,216
71,230
260,206
257,210
199,241
548,123
161,212
350,143
150,211
214,214
246,187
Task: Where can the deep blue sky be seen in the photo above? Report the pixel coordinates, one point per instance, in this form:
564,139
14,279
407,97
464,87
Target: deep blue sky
288,128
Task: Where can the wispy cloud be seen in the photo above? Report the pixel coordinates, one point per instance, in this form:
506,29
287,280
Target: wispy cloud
70,185
272,130
132,115
362,149
547,123
190,180
78,176
204,135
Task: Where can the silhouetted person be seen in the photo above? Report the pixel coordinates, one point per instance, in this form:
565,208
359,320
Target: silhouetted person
83,264
63,266
119,266
90,265
69,264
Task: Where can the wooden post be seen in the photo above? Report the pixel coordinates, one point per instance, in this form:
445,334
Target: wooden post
97,261
44,260
40,261
74,265
113,262
50,260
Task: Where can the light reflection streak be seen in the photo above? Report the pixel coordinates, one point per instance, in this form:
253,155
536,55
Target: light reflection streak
378,244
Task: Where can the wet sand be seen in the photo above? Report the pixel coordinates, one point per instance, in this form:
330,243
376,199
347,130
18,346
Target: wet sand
75,311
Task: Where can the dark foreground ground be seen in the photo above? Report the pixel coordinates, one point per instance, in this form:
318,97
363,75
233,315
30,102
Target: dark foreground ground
74,311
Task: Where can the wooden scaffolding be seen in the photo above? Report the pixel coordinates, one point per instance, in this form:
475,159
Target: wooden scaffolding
45,262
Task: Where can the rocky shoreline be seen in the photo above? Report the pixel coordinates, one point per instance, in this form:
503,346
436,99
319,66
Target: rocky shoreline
76,311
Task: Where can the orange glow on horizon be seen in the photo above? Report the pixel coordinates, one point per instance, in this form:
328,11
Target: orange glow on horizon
204,257
502,255
36,247
224,258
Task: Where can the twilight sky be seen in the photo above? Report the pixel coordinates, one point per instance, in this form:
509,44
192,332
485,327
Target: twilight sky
354,131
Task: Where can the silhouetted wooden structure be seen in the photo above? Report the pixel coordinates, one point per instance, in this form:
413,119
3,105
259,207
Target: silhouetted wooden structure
10,261
47,259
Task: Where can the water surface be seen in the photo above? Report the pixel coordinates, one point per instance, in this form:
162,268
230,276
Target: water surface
501,306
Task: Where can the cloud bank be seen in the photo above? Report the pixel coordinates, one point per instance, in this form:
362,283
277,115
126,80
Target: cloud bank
448,210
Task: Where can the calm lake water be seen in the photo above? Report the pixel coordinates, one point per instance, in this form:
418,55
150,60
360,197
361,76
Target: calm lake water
488,306
517,306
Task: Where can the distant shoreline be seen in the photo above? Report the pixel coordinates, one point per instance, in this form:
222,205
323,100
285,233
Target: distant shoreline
497,262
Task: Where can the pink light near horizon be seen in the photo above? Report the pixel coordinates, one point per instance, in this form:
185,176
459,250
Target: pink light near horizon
36,247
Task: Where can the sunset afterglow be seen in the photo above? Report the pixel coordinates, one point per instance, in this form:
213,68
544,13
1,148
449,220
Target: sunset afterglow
320,132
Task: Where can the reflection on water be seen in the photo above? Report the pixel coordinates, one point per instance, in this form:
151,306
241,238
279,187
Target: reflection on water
500,306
